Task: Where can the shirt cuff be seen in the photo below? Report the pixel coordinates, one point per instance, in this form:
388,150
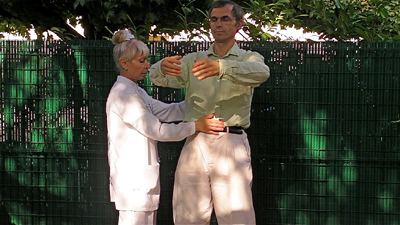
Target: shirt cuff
193,127
221,68
224,68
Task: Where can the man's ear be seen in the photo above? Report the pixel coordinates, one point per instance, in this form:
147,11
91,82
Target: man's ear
239,25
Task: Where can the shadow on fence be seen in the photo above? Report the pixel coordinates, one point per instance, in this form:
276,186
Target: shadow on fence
324,133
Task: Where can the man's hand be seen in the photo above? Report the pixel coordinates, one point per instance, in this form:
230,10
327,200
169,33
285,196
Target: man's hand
209,125
205,68
170,65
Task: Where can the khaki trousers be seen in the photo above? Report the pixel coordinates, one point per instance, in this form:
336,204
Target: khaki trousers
214,172
128,217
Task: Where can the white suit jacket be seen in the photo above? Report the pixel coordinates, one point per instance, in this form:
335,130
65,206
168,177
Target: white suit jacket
133,126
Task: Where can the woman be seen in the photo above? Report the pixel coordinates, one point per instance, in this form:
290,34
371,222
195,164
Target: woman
134,124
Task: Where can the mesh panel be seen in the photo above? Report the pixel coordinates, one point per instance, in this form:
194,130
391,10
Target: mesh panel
324,133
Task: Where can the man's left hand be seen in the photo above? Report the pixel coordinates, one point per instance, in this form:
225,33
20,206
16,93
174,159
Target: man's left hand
205,68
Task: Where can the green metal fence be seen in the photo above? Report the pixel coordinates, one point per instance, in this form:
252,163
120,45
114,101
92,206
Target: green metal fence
324,134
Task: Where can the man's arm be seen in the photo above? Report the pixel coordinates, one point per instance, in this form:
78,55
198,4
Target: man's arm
167,73
252,71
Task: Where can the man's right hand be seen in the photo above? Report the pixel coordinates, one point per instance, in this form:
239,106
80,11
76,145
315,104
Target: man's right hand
170,65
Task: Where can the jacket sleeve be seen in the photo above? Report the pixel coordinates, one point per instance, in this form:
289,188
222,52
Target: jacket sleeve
165,112
169,112
136,114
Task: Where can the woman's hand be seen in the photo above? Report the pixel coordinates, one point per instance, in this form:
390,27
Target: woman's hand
209,125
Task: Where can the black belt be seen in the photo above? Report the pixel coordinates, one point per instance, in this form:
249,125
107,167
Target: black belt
233,130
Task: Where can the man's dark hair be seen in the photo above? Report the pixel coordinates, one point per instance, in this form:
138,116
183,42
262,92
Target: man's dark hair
237,11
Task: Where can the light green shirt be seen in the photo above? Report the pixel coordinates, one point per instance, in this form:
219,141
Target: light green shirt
228,95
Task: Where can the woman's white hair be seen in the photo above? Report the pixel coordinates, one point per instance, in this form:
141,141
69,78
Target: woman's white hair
127,47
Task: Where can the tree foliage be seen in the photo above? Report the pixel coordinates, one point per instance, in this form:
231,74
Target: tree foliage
371,20
99,17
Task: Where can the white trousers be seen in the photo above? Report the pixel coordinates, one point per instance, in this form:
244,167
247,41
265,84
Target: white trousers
214,172
128,217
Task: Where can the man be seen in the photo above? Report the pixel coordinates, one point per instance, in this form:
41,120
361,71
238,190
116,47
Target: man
214,172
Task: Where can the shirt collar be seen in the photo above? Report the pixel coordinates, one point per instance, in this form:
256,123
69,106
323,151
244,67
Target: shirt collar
233,51
128,82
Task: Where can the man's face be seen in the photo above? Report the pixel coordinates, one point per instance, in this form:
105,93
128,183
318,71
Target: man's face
223,24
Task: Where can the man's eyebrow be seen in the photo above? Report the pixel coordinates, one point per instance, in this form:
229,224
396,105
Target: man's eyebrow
220,17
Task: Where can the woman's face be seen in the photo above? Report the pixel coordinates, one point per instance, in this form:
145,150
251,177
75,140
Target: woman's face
137,68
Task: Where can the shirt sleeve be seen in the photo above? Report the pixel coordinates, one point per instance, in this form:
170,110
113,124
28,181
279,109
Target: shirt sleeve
252,71
136,114
160,79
